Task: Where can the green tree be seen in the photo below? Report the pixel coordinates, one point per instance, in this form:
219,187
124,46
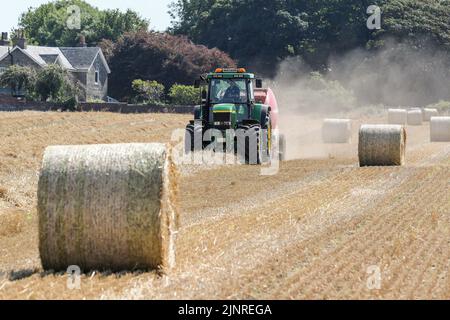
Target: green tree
261,33
184,95
53,82
47,24
257,33
18,78
149,92
419,23
112,24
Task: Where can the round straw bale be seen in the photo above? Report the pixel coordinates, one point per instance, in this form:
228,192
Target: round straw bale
382,145
440,129
397,116
415,117
428,113
107,207
336,130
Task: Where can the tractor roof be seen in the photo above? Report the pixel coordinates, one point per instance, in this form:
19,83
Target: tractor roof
222,73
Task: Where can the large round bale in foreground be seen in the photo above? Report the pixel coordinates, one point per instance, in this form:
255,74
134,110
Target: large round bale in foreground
415,117
336,130
107,207
428,113
440,129
382,145
397,116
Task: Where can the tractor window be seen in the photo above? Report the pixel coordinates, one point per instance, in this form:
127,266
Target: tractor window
228,91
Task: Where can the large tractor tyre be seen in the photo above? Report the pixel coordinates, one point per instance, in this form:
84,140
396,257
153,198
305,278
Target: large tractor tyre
266,140
249,147
282,147
193,138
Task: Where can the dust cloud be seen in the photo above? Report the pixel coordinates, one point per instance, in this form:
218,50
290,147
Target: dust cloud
359,85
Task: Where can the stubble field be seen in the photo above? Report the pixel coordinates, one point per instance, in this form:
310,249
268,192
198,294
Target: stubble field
313,230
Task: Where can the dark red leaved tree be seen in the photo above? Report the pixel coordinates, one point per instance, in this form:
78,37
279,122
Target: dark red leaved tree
162,57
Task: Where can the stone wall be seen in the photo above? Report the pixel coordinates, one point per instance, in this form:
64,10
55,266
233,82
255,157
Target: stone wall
8,103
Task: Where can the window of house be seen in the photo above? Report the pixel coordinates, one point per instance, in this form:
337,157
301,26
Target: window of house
97,76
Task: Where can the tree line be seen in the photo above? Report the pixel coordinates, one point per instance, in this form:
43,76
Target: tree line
263,33
332,37
257,34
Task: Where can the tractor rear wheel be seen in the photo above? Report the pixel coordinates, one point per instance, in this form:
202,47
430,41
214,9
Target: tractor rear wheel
249,145
266,140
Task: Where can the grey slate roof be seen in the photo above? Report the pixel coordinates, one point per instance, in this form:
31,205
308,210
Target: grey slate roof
3,50
80,58
49,58
37,53
76,58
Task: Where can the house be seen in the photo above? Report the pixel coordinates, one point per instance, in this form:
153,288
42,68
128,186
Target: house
87,65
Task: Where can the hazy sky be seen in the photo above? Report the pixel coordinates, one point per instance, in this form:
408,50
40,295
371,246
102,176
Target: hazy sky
155,10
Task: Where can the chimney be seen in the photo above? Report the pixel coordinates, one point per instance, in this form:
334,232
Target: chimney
22,41
4,40
82,41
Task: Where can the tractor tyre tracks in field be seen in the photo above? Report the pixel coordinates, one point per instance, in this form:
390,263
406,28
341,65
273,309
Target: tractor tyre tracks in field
231,251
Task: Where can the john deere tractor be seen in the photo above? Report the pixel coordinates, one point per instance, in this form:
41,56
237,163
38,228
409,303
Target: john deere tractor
236,115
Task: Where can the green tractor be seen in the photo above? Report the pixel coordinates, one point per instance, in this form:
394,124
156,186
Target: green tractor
236,115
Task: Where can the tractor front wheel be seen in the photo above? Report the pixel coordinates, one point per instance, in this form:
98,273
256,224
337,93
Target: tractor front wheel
193,138
249,144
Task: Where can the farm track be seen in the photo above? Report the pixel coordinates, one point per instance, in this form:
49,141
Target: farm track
314,236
